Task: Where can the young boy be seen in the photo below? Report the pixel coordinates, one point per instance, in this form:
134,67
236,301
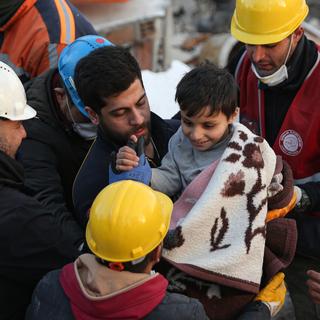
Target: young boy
207,97
218,226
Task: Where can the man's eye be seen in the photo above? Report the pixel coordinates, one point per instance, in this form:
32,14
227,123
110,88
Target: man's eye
209,125
141,103
118,113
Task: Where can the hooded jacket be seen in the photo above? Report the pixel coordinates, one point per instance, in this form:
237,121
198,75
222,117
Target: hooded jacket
90,291
87,290
32,241
52,152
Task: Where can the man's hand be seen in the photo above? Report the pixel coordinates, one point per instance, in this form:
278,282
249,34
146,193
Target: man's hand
273,294
314,285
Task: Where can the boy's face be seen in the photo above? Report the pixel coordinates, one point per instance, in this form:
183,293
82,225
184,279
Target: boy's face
204,130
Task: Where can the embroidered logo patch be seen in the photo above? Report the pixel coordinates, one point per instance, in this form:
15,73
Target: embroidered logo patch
291,142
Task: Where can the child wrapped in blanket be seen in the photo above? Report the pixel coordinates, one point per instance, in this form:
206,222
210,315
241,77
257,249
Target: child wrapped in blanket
228,179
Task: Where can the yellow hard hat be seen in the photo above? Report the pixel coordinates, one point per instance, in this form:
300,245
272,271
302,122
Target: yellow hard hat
127,221
267,21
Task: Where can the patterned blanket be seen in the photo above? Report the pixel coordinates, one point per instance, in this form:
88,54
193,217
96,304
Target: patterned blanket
218,224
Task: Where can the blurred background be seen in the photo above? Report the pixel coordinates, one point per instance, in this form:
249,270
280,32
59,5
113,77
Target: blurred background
160,31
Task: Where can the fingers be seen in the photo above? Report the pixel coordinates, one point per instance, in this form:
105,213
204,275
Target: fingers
314,285
276,281
133,138
127,159
314,275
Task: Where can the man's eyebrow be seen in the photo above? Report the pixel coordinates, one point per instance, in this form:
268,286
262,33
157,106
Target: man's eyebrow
143,95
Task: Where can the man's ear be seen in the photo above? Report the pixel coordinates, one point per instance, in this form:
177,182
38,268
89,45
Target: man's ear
94,117
156,254
60,95
297,34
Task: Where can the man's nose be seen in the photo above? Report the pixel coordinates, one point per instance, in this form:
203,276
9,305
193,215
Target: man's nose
258,53
137,118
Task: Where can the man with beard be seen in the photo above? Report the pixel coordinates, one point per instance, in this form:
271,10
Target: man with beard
278,75
33,241
109,82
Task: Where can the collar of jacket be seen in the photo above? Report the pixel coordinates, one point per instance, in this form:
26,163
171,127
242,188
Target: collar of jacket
11,172
25,7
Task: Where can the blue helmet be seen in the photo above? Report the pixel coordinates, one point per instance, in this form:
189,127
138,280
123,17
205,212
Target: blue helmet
69,58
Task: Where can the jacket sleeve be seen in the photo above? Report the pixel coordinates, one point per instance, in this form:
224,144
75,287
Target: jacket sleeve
167,178
255,310
42,177
44,242
313,191
49,306
308,228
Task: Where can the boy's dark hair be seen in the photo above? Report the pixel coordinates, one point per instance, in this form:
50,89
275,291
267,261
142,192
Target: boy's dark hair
207,85
105,72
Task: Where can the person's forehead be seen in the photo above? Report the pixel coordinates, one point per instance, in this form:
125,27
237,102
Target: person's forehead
127,97
204,115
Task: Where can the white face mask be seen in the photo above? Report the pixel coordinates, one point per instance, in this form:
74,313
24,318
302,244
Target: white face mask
277,77
86,130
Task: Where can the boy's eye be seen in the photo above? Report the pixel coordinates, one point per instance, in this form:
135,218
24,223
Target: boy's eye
186,122
209,125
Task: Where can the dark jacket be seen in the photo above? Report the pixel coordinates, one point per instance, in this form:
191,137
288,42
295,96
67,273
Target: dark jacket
56,305
32,241
52,152
93,175
127,301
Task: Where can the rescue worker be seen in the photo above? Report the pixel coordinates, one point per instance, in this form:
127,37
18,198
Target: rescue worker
109,83
127,224
60,136
278,73
33,241
34,32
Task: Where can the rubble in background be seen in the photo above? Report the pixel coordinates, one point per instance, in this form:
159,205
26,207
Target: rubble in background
209,21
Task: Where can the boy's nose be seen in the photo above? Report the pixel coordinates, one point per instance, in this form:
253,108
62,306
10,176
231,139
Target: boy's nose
196,134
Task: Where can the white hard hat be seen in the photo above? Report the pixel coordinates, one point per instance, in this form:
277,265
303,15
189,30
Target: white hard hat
13,101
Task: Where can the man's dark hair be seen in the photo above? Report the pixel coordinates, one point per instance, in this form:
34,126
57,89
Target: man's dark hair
135,268
105,72
207,85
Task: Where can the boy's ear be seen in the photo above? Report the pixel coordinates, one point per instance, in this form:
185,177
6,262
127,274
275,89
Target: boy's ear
235,116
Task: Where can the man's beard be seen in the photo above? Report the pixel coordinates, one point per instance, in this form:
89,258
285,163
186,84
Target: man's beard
123,139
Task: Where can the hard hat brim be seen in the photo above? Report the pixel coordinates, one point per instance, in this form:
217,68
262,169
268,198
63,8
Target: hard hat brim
255,39
28,113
